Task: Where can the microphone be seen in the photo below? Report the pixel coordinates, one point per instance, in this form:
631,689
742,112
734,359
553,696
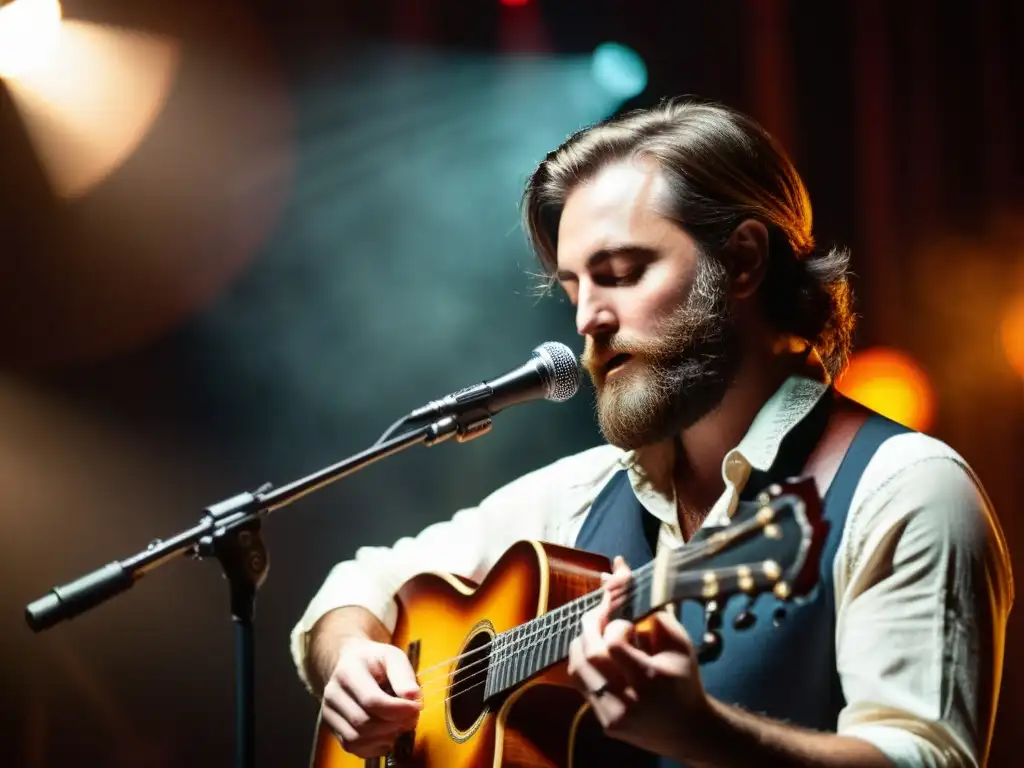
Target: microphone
551,373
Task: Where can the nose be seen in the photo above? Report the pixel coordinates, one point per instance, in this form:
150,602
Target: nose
594,313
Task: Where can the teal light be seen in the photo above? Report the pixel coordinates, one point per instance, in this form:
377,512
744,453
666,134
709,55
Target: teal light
619,70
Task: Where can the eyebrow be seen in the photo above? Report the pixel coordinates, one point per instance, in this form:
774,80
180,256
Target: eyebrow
599,257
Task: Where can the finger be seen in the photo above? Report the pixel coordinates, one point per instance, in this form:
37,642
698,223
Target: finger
365,749
361,723
368,751
584,676
629,659
602,669
667,633
369,744
401,675
620,576
339,702
619,632
358,682
611,713
619,583
619,568
339,726
630,663
592,625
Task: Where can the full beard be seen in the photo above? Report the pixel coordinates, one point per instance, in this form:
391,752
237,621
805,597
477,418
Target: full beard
676,377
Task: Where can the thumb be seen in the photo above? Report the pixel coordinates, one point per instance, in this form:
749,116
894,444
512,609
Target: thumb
668,633
400,674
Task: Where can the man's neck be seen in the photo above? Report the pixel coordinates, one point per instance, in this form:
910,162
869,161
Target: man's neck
701,448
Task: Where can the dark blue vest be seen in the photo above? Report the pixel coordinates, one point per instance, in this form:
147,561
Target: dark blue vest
782,666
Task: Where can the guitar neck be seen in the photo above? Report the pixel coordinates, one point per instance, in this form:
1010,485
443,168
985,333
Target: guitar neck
526,650
522,652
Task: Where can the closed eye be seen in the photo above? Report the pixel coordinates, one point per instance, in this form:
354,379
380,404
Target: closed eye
622,265
630,277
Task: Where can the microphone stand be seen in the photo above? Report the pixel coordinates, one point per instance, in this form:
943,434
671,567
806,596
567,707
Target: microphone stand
230,531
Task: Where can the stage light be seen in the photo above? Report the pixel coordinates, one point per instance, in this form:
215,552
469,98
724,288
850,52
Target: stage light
29,30
890,382
74,107
619,70
514,3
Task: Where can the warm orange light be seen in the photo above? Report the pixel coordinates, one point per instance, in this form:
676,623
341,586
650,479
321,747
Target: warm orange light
890,382
1013,335
29,32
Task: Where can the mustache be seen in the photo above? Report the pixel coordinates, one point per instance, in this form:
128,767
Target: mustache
597,351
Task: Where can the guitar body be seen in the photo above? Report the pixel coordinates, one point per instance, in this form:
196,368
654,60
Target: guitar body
442,618
491,658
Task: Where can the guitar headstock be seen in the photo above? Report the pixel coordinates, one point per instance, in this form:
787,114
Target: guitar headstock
772,545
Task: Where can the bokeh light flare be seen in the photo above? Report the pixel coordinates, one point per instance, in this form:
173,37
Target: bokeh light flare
1012,332
29,33
892,383
619,70
90,104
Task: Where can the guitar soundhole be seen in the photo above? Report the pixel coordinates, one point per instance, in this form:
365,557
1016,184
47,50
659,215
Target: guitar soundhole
466,693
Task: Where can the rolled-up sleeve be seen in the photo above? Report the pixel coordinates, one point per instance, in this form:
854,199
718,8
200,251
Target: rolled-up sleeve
540,505
923,592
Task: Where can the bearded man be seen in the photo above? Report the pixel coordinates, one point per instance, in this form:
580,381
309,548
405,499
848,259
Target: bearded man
714,330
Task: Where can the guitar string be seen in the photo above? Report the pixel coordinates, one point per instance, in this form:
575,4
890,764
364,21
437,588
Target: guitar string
466,689
536,638
679,557
461,689
562,621
515,644
447,686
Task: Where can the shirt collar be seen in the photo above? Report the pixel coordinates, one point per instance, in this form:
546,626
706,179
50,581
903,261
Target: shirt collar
650,468
790,404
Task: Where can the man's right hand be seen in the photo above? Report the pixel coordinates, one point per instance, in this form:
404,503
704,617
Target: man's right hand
371,697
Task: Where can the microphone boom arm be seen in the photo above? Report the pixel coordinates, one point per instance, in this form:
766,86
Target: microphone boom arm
76,597
230,531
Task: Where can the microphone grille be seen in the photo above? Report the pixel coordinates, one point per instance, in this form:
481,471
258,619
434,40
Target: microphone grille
562,369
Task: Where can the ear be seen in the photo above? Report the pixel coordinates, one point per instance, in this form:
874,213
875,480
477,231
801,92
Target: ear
747,258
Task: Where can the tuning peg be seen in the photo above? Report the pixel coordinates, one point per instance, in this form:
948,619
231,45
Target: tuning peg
711,642
710,647
745,619
712,616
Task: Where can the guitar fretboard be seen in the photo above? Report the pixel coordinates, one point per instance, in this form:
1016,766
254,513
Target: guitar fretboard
526,650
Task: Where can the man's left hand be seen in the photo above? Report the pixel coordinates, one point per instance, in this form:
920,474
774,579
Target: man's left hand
644,688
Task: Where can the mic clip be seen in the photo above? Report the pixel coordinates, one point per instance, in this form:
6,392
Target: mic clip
473,425
463,427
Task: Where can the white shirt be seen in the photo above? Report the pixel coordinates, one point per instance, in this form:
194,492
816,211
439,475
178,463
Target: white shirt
922,578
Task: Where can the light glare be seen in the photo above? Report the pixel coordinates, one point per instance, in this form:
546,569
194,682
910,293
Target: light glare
892,383
29,31
87,107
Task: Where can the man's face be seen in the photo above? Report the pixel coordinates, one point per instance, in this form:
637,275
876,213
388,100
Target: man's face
661,346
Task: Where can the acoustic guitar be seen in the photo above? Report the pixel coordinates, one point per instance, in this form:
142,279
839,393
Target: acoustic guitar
491,658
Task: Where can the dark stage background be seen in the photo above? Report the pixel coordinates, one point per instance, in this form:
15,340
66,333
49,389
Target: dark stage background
286,223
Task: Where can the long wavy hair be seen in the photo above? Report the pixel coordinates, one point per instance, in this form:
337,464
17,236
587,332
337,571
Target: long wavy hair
722,168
